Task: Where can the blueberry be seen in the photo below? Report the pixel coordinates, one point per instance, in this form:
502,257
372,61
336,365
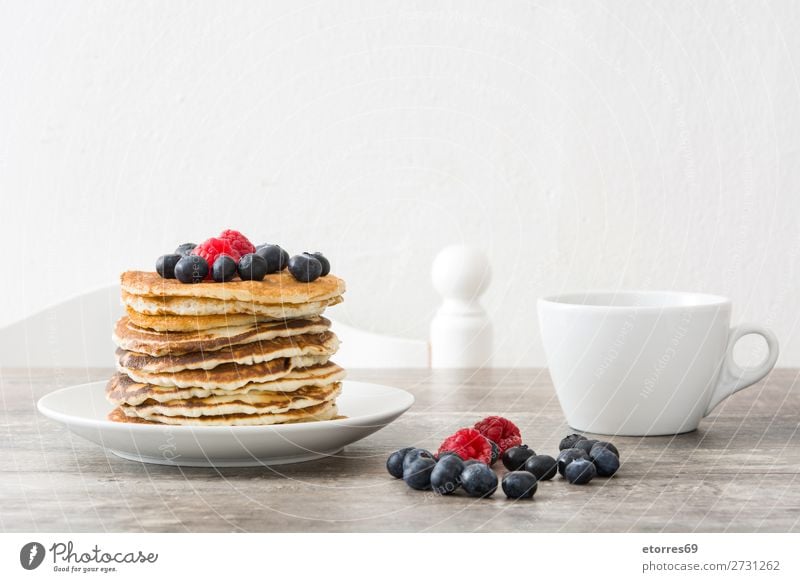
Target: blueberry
446,475
543,467
567,456
305,268
277,258
495,451
580,472
191,269
515,457
418,474
568,442
394,464
224,269
326,264
252,267
185,249
165,265
478,480
414,454
519,485
605,461
604,445
585,445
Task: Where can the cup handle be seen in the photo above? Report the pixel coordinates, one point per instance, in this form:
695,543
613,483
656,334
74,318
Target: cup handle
733,377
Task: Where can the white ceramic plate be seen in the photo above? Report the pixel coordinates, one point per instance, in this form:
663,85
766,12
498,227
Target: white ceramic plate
368,408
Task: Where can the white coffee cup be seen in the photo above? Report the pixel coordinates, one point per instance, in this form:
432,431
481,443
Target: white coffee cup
644,362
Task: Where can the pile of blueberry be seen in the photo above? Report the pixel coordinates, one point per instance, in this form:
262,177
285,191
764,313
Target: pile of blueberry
231,254
465,461
582,459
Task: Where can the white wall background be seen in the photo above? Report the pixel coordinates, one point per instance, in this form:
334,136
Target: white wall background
581,144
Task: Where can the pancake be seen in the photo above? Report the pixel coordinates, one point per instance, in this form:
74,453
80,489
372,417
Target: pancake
225,354
324,411
121,389
194,306
131,337
146,341
184,323
226,376
276,288
117,415
323,344
254,402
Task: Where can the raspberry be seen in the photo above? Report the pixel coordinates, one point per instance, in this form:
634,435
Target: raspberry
468,444
238,242
500,430
213,248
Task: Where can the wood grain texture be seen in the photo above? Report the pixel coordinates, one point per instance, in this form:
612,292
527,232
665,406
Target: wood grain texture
739,472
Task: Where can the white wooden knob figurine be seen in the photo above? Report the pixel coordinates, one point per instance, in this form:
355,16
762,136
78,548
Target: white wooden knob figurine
461,333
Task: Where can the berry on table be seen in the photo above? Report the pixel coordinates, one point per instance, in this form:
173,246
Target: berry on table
478,480
543,467
468,443
305,268
415,454
191,269
604,445
165,265
500,430
185,249
580,471
252,267
394,464
585,445
495,451
277,258
519,485
568,442
224,269
515,457
418,474
605,461
568,456
323,260
238,242
446,475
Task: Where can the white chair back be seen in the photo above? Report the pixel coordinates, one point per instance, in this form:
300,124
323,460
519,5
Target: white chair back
75,333
363,349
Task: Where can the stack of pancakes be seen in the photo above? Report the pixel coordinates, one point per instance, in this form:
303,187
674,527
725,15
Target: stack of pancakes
236,353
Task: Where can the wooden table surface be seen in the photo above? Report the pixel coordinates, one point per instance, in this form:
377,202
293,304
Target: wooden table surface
739,472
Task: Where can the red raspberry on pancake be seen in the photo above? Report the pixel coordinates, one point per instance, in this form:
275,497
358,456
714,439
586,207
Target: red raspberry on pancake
238,242
213,248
